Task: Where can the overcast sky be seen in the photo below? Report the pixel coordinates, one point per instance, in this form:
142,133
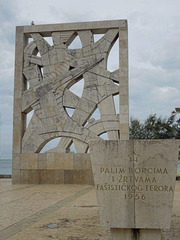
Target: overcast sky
154,49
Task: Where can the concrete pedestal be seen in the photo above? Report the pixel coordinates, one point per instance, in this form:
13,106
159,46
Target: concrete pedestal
135,234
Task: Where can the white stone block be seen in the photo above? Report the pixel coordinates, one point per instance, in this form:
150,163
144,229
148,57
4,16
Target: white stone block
80,146
107,106
135,182
86,37
36,60
96,127
70,99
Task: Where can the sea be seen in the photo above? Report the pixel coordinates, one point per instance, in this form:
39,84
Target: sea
6,166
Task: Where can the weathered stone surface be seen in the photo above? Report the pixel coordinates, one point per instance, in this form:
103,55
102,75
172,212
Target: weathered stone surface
36,60
53,168
134,181
51,71
70,99
107,107
80,116
113,135
80,146
63,38
86,37
133,234
42,45
96,126
123,76
59,72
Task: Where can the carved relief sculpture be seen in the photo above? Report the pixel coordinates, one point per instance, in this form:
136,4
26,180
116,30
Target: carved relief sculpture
47,68
51,71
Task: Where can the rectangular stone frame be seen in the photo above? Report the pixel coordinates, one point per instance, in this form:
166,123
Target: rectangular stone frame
19,118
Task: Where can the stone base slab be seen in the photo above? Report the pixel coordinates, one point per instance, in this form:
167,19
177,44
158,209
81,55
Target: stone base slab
52,168
135,234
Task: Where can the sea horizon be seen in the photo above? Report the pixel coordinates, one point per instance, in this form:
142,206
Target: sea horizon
6,166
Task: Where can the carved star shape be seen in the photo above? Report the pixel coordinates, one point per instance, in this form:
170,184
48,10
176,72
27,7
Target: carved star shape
133,157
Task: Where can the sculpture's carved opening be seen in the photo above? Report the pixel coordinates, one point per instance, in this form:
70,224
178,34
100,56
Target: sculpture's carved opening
50,145
26,84
76,43
41,69
29,117
72,149
70,111
97,37
77,88
70,68
30,40
116,103
96,114
104,136
49,40
113,57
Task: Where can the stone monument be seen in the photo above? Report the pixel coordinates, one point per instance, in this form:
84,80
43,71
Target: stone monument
135,184
46,67
134,180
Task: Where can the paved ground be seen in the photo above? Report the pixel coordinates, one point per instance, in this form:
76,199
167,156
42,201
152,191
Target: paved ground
63,212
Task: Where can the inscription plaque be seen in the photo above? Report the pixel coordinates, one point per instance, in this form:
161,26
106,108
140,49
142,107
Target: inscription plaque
135,181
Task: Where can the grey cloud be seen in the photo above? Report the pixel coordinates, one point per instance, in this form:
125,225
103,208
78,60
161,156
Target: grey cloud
7,11
154,52
8,16
153,91
169,55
